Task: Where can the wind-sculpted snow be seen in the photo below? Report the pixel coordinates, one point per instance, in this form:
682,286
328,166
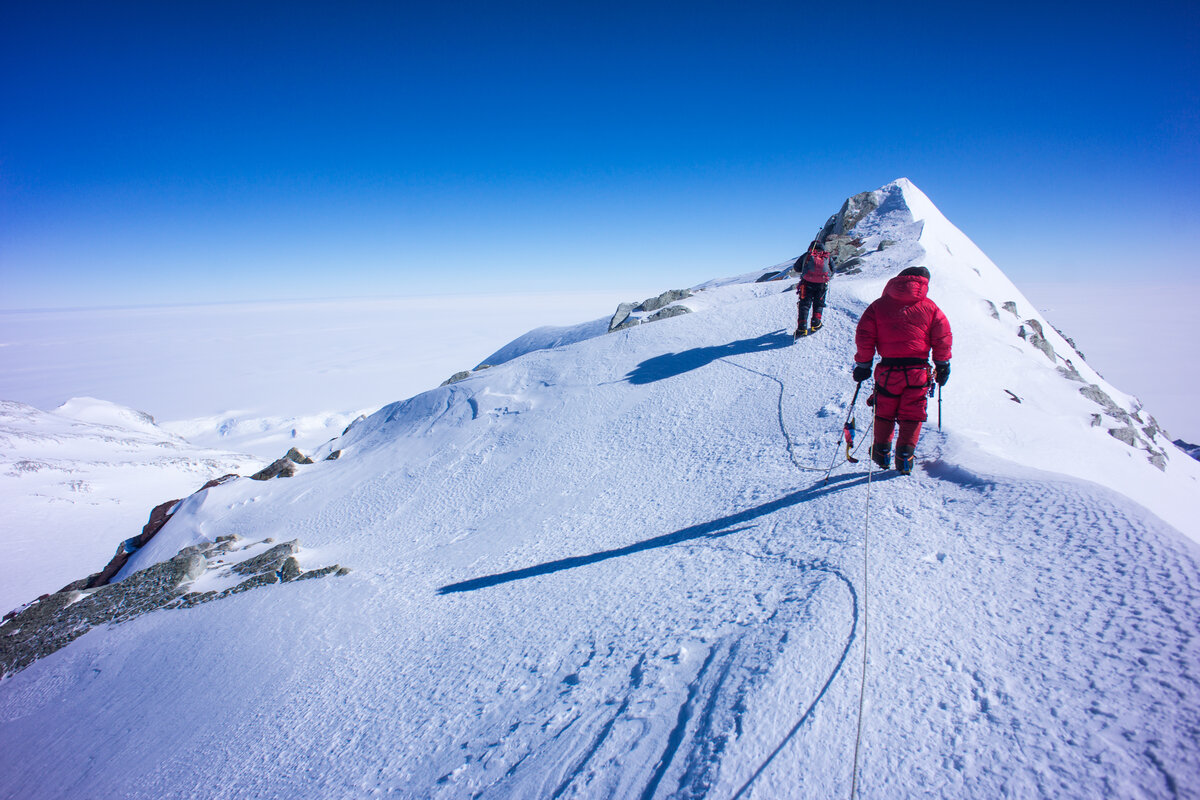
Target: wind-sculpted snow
632,566
547,338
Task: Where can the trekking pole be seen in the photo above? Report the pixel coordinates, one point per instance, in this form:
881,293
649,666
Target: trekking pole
939,407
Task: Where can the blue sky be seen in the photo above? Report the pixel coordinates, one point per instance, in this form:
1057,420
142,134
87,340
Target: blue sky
197,152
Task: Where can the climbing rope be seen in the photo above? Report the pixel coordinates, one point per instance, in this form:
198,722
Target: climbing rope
862,689
783,427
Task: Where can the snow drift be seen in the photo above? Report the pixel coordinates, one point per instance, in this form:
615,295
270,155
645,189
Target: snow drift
612,566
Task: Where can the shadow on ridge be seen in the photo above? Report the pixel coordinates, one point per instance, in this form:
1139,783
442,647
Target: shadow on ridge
669,365
704,530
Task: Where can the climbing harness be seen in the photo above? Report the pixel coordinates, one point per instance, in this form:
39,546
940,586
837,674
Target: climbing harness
913,369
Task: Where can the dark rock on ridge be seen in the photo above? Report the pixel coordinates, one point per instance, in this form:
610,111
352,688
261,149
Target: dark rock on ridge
53,621
620,316
297,457
664,299
283,468
669,311
456,377
158,518
623,317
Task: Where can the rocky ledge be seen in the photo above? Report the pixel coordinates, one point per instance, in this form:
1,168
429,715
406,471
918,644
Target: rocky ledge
197,574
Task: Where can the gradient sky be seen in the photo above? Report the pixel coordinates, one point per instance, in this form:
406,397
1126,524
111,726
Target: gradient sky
157,152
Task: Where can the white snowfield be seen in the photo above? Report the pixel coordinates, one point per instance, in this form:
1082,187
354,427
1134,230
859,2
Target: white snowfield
615,568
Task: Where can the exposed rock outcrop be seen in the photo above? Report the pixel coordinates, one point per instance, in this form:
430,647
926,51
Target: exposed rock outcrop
1071,342
276,469
620,316
1100,397
466,373
623,317
852,212
664,299
1035,338
844,252
158,518
218,481
54,621
1128,432
1069,371
297,457
669,311
283,468
1127,435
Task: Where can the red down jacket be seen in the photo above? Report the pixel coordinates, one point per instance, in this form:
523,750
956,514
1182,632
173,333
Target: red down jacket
903,323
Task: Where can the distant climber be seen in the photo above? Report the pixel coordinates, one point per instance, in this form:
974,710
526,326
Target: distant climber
903,326
815,272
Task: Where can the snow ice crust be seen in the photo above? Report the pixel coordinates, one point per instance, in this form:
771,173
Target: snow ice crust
611,566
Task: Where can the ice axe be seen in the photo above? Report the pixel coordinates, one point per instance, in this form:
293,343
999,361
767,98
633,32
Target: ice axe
848,435
848,427
847,432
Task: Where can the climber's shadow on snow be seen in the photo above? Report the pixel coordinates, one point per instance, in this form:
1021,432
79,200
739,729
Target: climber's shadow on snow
704,530
670,365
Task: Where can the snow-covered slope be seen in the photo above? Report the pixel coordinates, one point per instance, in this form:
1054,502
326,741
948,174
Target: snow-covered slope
612,566
77,481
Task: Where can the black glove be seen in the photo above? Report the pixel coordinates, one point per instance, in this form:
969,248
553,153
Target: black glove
941,373
861,373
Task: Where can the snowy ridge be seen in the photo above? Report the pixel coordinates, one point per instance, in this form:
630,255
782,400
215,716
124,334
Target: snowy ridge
614,567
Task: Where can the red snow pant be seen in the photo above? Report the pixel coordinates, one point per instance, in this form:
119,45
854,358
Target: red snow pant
900,397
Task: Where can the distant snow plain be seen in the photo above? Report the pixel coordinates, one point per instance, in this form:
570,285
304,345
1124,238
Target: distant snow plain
261,377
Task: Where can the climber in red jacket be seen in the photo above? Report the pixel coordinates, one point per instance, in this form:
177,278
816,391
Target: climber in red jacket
815,270
903,326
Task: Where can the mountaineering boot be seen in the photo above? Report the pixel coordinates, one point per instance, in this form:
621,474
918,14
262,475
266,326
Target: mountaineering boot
905,456
815,324
799,332
881,454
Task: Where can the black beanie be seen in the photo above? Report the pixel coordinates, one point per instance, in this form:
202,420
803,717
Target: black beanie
920,271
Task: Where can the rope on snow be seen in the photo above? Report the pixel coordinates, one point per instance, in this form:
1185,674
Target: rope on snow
862,689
